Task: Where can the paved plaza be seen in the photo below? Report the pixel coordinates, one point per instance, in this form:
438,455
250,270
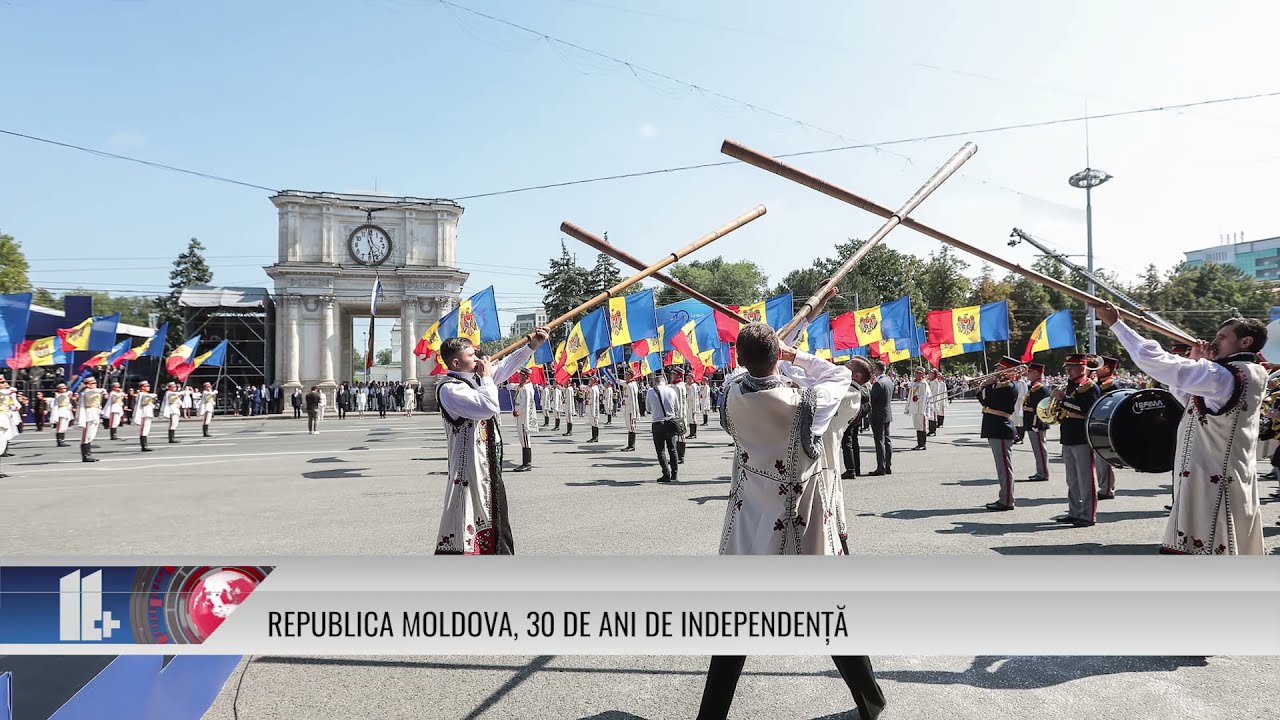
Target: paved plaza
375,486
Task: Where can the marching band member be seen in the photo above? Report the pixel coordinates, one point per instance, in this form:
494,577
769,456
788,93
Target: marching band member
776,505
555,404
171,409
692,398
7,427
608,403
89,413
544,395
1105,474
1034,426
60,413
144,409
593,408
1216,504
999,400
631,409
918,407
1077,457
474,520
115,409
938,401
567,400
704,398
681,409
523,411
207,402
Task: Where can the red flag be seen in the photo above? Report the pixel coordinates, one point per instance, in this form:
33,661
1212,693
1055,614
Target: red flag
537,375
941,326
844,332
932,352
641,348
726,327
680,342
733,356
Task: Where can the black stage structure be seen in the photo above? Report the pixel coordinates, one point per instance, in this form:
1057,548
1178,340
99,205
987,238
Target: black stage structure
243,316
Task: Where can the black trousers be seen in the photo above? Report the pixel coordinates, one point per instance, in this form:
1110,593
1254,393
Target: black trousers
311,421
664,442
722,680
850,449
297,413
884,446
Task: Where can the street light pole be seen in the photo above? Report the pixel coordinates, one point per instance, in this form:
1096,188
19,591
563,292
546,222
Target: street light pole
1089,178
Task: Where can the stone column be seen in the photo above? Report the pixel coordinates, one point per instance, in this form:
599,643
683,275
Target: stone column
293,341
408,339
328,342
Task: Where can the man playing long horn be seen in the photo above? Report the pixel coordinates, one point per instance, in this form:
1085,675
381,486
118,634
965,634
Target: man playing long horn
999,400
1216,505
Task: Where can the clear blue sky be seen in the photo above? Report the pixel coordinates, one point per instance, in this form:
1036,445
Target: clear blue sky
429,101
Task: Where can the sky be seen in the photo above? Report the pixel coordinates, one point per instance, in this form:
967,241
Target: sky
420,98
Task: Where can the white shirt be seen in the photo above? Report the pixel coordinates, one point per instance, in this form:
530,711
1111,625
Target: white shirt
1185,377
479,401
830,381
663,403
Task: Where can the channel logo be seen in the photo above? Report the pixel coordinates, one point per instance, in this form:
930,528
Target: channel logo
80,614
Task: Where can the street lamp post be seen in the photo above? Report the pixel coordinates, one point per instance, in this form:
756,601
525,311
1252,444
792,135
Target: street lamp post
1089,178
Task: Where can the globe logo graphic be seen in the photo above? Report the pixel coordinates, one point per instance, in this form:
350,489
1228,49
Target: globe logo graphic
215,597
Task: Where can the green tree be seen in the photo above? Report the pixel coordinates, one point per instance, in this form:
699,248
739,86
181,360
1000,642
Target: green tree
13,266
565,285
732,283
884,274
189,269
357,359
943,283
133,309
1198,299
40,296
802,283
383,357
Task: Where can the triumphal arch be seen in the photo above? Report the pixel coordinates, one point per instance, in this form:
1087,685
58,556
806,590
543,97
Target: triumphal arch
332,249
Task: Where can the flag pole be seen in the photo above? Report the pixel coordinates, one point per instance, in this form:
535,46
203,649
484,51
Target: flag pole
675,256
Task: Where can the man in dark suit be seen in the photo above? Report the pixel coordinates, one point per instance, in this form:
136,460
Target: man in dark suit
296,401
881,418
861,371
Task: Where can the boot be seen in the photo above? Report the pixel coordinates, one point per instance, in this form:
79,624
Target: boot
546,420
557,427
526,457
608,420
85,454
143,442
680,453
693,430
595,434
205,428
933,427
919,440
62,439
631,443
569,425
172,439
113,434
940,419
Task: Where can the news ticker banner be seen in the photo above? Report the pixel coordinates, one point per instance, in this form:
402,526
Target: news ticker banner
910,605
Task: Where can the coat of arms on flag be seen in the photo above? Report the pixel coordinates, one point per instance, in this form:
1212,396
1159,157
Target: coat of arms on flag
615,321
867,323
967,324
467,325
572,345
752,314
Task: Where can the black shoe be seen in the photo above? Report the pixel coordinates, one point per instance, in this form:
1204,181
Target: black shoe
6,454
1081,522
848,475
1169,508
876,473
665,478
1106,496
85,455
1064,519
998,506
1037,478
521,468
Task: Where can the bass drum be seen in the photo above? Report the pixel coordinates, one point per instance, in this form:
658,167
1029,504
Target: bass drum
1136,429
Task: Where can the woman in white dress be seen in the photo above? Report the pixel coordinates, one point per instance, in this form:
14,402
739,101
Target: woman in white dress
362,399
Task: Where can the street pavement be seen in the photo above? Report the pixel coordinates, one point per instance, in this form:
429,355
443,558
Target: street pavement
263,486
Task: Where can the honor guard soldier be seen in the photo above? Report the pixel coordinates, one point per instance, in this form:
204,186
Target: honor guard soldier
938,401
144,409
608,403
1075,402
523,411
567,407
171,409
692,401
92,398
544,394
681,409
6,419
1106,475
999,400
208,400
1035,427
918,407
556,402
60,413
704,398
593,408
115,409
631,409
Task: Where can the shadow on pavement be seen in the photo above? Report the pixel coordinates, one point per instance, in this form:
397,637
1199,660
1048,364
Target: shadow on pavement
707,498
920,514
326,460
977,528
1026,673
335,474
1080,549
605,482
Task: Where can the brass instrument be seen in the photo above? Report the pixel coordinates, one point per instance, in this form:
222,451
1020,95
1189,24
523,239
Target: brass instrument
984,380
1050,410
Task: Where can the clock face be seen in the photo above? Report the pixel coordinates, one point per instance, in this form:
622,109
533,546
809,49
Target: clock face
369,245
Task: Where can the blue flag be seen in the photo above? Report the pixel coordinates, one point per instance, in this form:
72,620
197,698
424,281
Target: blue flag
15,311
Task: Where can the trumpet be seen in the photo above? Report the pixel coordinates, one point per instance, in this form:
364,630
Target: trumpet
1049,410
983,380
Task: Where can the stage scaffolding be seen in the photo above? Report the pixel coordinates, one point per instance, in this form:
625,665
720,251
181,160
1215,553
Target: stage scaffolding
245,318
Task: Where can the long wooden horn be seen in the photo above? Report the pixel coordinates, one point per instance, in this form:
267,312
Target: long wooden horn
626,258
701,242
813,305
764,162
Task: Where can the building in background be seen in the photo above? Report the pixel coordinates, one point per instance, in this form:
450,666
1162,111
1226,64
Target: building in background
1259,259
526,322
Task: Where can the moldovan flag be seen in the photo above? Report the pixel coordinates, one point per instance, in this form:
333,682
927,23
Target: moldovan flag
38,353
15,311
969,325
883,322
149,347
107,357
774,312
952,349
685,342
816,338
182,355
96,333
632,317
214,358
475,319
1056,331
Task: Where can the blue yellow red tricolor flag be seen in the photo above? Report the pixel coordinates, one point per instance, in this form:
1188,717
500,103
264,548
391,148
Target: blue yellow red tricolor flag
181,355
151,347
1055,331
38,353
475,319
887,321
774,312
213,358
95,333
631,318
968,325
107,357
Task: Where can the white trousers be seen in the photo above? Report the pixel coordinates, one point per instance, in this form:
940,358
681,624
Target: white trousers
208,418
62,424
113,420
90,431
144,427
173,422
